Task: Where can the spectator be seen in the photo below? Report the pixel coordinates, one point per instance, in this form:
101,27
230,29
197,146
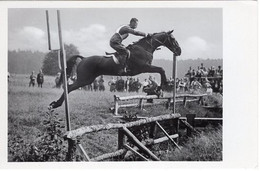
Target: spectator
120,83
137,85
95,84
181,85
187,84
151,89
57,79
145,83
195,85
130,84
88,87
112,84
208,87
101,83
212,72
32,79
219,71
40,78
127,84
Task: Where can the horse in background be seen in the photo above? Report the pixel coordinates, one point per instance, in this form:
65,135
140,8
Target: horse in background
140,61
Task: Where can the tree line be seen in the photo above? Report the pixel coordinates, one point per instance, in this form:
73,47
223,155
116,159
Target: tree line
26,61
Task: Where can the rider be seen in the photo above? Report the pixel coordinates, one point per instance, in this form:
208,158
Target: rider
121,34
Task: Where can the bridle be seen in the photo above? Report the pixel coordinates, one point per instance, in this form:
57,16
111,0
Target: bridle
161,42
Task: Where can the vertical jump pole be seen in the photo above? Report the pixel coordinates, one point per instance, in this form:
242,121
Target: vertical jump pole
48,29
174,69
63,65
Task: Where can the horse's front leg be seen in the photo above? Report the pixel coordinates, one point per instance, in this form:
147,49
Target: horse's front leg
160,70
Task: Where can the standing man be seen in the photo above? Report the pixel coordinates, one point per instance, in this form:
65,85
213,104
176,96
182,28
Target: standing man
116,42
32,79
40,78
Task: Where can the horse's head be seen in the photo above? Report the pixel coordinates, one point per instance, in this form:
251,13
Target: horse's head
166,39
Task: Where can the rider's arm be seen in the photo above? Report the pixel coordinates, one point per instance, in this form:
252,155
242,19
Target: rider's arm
132,31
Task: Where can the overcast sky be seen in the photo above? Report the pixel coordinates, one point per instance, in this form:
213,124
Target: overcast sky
199,31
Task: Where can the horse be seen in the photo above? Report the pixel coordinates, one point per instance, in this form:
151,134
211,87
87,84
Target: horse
140,61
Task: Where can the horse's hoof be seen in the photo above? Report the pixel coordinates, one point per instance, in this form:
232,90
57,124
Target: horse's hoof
50,107
158,92
53,105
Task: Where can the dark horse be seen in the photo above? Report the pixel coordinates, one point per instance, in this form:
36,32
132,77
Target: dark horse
140,60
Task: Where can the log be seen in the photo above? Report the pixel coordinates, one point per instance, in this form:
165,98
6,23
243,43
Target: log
156,97
189,126
116,105
203,119
128,105
137,117
109,155
95,128
83,152
140,145
167,135
138,97
152,142
135,152
128,152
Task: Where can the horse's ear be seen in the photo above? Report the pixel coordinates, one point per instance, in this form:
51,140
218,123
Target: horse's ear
170,32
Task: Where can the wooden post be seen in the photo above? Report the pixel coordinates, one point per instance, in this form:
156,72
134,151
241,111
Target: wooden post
120,139
200,100
174,69
63,63
140,105
48,29
184,101
168,104
177,126
139,144
152,130
71,150
190,120
71,143
135,152
116,105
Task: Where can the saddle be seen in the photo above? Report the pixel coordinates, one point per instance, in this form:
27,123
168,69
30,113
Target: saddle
113,56
117,57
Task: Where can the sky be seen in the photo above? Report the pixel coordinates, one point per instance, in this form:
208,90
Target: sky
199,31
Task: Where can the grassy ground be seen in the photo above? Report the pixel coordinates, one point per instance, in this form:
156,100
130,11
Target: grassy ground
27,107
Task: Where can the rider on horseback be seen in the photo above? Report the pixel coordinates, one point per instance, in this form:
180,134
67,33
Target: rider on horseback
116,42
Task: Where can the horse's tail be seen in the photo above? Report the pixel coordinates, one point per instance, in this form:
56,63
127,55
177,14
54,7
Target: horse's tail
71,62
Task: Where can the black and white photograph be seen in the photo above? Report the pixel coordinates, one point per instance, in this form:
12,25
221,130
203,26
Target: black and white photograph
130,83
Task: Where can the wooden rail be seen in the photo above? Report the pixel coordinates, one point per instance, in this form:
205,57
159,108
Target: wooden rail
141,98
130,130
95,128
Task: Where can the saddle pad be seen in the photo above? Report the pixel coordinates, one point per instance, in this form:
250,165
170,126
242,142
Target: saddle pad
114,58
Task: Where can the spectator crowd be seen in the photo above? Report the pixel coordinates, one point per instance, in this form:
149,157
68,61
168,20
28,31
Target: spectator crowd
202,80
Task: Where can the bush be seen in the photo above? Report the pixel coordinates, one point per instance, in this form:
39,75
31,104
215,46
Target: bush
47,147
205,147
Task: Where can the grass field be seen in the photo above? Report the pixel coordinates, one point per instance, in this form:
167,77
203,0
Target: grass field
27,107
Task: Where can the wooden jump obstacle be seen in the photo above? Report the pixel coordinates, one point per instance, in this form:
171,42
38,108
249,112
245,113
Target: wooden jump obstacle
185,98
129,140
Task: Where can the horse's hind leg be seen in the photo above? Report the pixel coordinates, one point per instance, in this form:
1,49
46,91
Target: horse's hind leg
77,84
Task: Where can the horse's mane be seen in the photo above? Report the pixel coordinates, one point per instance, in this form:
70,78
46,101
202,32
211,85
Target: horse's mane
140,41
